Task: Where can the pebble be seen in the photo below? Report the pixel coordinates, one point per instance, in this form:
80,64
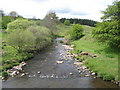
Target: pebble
86,75
59,62
38,72
71,73
84,67
22,74
93,73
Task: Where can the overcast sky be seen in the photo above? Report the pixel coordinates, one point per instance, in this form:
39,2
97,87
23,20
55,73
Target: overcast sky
85,9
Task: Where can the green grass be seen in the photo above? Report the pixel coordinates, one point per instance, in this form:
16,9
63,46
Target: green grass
63,30
106,62
11,56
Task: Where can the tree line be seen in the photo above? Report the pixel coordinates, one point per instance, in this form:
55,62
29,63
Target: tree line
79,21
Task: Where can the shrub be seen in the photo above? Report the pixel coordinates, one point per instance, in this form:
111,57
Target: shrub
77,32
67,22
43,36
19,24
22,40
4,74
5,21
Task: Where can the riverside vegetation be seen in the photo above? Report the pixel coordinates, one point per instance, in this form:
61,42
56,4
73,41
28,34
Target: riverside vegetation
96,46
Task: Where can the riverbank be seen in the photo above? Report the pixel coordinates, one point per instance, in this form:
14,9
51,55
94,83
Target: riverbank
98,57
55,67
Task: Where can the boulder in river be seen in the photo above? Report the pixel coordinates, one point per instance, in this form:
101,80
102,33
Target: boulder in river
22,74
38,72
71,73
59,62
78,63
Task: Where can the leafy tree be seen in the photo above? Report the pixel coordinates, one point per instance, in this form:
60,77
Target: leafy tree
50,21
5,21
2,13
42,35
67,22
22,40
19,24
79,21
13,15
109,29
77,32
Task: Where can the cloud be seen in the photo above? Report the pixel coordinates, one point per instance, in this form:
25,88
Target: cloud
88,9
79,13
63,10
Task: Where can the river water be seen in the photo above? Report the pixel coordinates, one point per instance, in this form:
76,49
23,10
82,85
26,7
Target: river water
43,72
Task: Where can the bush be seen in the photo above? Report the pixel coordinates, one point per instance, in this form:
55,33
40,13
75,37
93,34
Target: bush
5,21
67,22
43,36
77,32
4,74
22,40
19,24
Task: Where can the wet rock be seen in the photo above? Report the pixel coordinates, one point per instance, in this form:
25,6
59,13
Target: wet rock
38,72
78,68
3,78
87,75
59,62
84,67
71,73
13,73
78,63
22,74
93,73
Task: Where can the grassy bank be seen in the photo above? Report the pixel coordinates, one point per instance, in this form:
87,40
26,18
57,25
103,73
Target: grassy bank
106,62
11,56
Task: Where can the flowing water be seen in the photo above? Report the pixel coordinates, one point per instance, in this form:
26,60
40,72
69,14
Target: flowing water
44,72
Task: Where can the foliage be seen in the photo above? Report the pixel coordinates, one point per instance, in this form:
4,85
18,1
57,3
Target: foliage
109,29
50,21
77,32
106,62
4,74
67,22
5,21
42,35
13,15
79,21
22,39
19,24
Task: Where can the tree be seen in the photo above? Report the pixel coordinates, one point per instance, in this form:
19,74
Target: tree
109,29
5,21
19,24
13,15
67,22
77,32
50,21
2,13
42,35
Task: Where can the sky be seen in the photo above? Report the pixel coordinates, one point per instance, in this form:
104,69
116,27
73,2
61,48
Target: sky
84,9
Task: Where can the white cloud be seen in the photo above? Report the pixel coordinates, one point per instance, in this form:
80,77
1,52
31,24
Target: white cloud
39,8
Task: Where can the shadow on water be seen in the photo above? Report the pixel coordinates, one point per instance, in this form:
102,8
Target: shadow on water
43,72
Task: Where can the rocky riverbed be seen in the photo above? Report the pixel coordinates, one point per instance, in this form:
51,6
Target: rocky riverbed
56,67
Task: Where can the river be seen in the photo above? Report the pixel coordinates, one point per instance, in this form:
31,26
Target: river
43,72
